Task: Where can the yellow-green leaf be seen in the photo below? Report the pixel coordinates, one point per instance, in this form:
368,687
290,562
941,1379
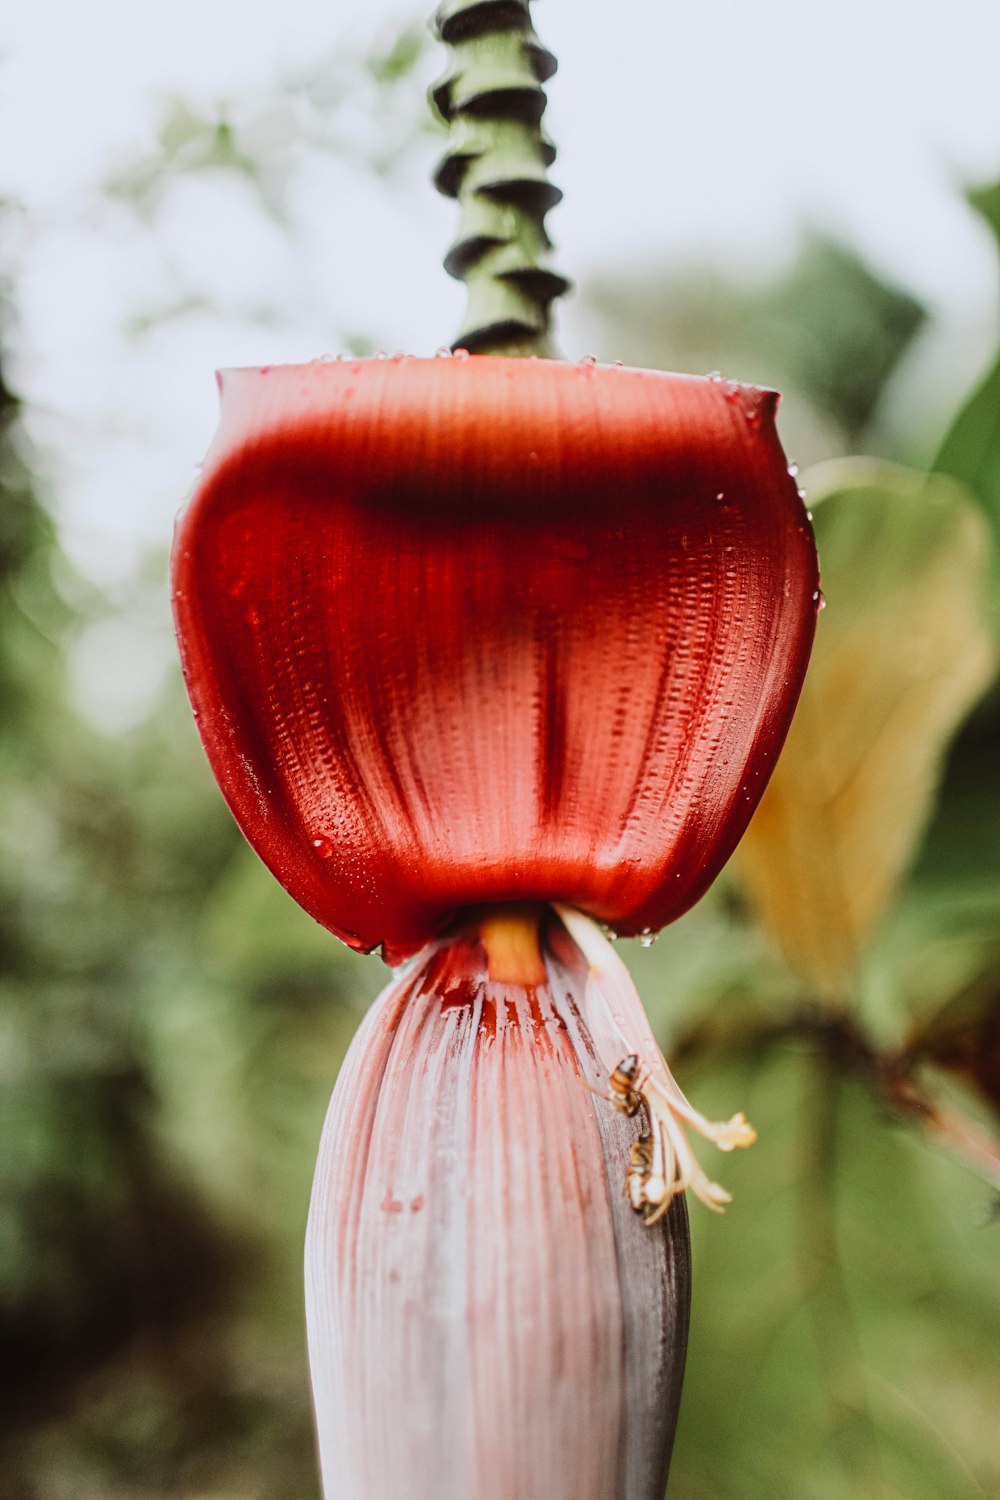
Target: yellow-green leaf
902,652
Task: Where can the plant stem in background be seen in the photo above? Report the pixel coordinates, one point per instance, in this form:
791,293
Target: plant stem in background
497,165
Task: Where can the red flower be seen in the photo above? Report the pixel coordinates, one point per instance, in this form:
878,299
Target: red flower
461,634
468,631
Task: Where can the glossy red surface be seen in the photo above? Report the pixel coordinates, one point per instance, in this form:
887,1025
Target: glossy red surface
462,631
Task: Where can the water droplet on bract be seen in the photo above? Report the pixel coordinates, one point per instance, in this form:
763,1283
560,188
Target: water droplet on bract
533,457
323,847
721,495
619,364
381,354
647,939
753,417
611,936
731,393
793,469
443,352
822,602
327,359
460,354
809,514
714,375
589,359
398,357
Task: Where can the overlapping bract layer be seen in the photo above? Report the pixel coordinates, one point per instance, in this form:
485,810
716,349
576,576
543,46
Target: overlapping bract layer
487,1316
463,631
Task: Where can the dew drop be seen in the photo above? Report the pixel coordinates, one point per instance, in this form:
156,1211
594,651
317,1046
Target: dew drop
721,495
589,359
460,354
619,364
323,847
793,469
809,514
647,938
714,375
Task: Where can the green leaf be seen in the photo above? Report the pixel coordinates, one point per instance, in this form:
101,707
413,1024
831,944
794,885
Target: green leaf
971,447
902,653
843,1344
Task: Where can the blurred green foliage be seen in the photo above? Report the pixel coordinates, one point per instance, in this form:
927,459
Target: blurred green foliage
971,448
172,1025
826,329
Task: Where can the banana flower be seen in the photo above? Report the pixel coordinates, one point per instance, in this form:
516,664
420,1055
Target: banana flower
489,655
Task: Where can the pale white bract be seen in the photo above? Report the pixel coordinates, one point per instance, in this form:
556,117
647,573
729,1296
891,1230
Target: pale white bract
489,1317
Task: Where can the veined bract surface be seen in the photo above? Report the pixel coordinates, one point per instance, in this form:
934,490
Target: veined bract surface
466,631
488,1319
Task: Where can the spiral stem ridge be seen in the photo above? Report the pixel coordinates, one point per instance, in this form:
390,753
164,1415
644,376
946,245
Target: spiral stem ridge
496,166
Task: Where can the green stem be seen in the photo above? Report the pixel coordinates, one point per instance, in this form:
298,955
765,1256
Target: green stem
497,167
823,1284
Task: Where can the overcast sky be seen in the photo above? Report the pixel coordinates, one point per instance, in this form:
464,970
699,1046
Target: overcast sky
711,127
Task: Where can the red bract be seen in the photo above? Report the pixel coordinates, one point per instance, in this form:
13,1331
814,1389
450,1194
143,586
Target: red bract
473,631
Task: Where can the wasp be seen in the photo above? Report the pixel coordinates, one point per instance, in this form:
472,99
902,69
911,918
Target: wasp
625,1086
637,1172
645,1186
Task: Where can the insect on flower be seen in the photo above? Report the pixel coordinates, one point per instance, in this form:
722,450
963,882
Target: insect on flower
638,1172
625,1086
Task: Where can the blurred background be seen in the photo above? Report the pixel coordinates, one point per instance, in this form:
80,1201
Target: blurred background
778,191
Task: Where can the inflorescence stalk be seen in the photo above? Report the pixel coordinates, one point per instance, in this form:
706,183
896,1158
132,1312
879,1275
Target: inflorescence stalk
497,165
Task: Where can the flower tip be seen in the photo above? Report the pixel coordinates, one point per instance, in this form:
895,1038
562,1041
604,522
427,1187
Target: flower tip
735,1134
